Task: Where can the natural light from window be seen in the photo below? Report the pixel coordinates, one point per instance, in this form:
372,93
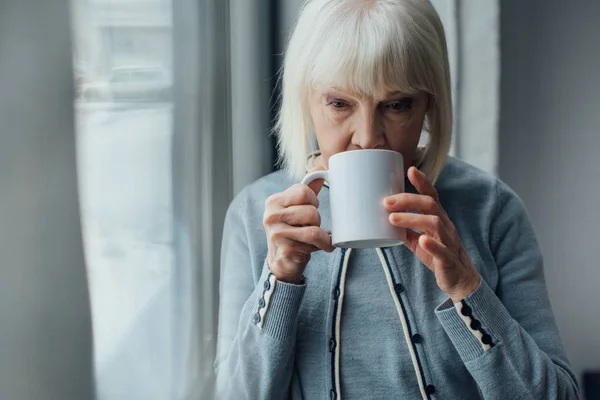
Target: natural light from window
123,79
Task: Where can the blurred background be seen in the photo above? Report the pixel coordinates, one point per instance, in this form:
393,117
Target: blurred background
127,126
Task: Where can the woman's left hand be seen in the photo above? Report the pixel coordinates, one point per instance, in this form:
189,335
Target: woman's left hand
438,245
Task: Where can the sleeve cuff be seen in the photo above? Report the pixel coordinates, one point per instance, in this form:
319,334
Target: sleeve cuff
477,323
275,310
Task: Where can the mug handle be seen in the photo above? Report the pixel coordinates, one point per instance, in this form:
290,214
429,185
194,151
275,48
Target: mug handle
314,175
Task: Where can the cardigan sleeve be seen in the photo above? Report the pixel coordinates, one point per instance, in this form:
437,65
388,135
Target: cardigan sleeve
507,337
258,318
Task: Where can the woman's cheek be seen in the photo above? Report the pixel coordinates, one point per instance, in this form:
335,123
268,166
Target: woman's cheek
403,135
334,118
331,130
332,142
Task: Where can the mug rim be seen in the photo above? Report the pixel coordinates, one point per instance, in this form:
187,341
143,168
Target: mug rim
370,150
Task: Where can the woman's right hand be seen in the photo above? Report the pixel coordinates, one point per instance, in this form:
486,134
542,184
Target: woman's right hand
292,223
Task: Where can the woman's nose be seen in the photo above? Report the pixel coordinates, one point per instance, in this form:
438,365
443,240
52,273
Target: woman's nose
369,134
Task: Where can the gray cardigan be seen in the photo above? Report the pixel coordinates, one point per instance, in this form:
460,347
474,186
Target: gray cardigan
373,324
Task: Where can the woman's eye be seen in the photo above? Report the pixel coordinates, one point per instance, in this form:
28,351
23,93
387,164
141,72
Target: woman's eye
400,105
338,104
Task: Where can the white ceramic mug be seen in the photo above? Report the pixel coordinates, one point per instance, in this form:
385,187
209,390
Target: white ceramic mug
359,180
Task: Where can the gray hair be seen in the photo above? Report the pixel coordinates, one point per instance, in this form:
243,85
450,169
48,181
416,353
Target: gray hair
365,46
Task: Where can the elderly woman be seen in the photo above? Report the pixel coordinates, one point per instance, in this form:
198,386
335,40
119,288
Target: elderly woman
460,311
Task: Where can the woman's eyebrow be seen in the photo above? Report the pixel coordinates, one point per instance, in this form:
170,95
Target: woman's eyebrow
333,94
399,93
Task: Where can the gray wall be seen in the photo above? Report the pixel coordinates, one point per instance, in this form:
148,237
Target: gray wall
549,149
45,327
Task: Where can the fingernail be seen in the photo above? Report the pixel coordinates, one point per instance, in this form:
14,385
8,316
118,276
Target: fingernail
389,201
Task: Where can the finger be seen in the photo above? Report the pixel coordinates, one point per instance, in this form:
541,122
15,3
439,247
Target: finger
435,248
412,202
432,225
420,181
312,235
299,194
304,215
304,247
317,184
412,240
296,252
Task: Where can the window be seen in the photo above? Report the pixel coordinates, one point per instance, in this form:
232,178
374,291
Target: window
122,57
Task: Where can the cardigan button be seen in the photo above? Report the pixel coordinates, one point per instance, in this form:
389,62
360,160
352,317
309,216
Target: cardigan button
261,302
475,324
416,338
486,339
256,318
466,310
430,389
267,285
332,344
332,394
399,288
336,293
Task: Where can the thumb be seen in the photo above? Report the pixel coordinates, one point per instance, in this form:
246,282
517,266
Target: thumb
317,184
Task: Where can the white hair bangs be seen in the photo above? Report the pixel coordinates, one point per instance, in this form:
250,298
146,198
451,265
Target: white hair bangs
365,47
